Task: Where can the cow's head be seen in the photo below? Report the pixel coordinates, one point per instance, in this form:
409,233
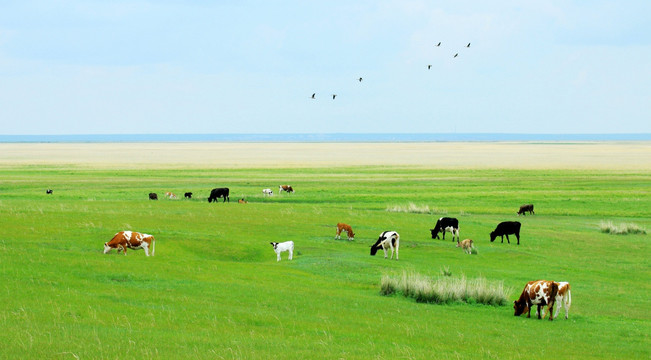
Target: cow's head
520,307
493,236
274,244
107,248
375,247
435,233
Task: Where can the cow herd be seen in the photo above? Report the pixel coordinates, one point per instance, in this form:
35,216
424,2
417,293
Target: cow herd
540,293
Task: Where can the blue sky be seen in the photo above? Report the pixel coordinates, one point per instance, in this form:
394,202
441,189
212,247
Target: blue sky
156,67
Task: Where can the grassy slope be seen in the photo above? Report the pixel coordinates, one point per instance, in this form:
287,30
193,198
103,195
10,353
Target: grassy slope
214,289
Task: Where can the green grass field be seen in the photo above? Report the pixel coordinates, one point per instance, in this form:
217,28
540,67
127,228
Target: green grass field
215,291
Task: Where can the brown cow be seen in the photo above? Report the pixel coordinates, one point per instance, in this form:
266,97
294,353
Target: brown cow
344,227
132,240
466,245
540,293
526,208
242,201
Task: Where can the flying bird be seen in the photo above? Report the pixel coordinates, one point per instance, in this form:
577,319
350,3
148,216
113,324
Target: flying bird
468,45
457,54
429,67
313,95
360,79
334,96
439,44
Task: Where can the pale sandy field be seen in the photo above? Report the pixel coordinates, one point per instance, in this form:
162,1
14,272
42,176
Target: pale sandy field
634,155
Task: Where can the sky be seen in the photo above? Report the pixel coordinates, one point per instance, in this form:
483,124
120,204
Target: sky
220,67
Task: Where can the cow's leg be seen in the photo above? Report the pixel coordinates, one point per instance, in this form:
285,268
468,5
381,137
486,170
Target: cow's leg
539,311
517,235
397,253
551,311
145,247
507,239
503,239
291,254
278,256
385,252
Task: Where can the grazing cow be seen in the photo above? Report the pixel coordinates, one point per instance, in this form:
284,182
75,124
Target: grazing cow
466,245
216,193
188,195
388,239
563,298
132,240
526,208
283,246
344,227
444,224
242,201
286,188
506,228
170,195
267,192
153,196
48,191
539,293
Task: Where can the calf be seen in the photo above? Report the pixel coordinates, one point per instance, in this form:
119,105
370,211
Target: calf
170,195
283,246
153,196
188,195
286,188
216,193
48,191
132,240
466,245
344,227
563,298
526,208
444,224
506,228
242,201
388,239
267,192
539,293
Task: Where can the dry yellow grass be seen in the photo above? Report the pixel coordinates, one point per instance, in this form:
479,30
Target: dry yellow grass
510,155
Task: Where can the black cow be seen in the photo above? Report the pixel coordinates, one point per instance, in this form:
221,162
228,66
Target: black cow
48,191
506,228
525,208
153,196
446,224
188,195
217,193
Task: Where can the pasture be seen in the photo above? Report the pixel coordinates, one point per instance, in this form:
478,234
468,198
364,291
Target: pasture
214,289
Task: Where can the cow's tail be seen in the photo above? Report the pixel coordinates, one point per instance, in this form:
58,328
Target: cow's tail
568,298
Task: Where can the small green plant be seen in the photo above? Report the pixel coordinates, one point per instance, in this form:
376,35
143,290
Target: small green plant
609,227
445,271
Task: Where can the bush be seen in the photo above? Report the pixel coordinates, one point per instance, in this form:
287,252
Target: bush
445,289
622,229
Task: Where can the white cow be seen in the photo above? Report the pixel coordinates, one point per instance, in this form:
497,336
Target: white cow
388,239
283,246
267,192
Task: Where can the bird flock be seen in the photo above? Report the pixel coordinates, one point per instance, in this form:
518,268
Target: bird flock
429,66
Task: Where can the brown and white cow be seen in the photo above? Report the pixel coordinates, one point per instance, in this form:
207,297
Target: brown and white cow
466,245
563,298
132,240
539,293
344,227
170,195
286,188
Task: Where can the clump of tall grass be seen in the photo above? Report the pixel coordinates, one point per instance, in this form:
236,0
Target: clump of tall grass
609,227
415,209
445,289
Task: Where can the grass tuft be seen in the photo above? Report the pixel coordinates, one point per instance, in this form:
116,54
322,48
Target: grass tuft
609,227
445,289
415,209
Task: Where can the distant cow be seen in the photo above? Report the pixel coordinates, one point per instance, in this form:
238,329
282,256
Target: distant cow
188,195
153,196
132,240
446,224
48,191
218,193
563,298
466,245
388,239
170,195
286,188
506,228
283,246
242,201
344,227
539,293
526,208
267,192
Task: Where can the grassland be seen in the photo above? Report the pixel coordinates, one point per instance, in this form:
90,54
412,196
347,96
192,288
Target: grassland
214,289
